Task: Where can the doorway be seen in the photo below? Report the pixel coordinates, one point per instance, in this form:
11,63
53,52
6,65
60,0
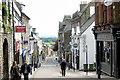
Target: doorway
5,60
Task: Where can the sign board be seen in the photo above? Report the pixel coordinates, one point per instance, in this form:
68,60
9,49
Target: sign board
34,54
20,28
75,45
25,42
107,2
17,45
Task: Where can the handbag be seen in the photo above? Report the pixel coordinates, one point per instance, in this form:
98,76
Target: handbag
60,71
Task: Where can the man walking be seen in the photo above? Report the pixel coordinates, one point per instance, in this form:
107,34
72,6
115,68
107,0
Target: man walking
25,70
63,67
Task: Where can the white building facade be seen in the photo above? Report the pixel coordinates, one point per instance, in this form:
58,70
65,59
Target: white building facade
82,39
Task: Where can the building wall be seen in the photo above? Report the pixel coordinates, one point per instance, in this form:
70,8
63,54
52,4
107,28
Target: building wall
0,34
107,14
25,35
9,37
91,44
10,51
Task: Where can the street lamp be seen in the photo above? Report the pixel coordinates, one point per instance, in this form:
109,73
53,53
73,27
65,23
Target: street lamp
86,60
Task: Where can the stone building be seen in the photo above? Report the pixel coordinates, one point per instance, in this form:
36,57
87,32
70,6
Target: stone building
6,39
25,38
64,39
107,35
10,40
61,38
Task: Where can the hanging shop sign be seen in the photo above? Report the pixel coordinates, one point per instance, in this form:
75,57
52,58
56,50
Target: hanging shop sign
34,54
75,45
20,28
107,2
17,45
25,42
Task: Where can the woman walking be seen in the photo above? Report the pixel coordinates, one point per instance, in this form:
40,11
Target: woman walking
15,71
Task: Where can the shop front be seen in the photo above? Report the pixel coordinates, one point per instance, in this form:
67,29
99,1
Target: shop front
107,50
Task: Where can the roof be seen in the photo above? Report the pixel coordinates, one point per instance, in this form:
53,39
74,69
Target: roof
25,15
66,17
62,25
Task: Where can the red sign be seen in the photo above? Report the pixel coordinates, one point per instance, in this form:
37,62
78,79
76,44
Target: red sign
17,45
20,28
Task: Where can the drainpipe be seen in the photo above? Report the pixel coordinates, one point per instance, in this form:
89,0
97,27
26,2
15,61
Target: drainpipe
13,30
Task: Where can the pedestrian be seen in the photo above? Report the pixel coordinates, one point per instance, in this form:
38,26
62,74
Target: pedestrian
63,67
25,70
15,71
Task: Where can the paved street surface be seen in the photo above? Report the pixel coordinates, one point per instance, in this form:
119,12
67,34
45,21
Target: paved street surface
49,69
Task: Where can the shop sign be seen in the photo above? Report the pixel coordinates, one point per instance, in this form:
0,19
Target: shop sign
118,34
25,42
116,31
107,2
75,45
17,45
20,28
34,54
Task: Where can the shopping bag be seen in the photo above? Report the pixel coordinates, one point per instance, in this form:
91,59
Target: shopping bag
60,71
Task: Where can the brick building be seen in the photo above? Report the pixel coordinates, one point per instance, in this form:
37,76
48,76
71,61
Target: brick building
107,35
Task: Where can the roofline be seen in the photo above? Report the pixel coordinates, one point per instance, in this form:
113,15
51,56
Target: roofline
26,15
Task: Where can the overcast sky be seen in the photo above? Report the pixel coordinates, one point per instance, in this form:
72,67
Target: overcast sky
46,14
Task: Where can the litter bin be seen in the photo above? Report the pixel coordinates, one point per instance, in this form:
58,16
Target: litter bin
85,67
91,67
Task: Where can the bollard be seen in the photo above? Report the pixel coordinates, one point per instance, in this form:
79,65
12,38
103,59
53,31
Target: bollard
31,70
99,73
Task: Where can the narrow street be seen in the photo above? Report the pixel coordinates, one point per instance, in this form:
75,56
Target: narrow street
49,69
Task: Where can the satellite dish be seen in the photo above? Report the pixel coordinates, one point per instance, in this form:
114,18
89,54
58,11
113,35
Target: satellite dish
107,2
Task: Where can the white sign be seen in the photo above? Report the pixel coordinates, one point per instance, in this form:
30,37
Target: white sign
107,2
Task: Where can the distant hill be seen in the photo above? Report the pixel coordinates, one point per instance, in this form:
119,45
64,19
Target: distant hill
49,40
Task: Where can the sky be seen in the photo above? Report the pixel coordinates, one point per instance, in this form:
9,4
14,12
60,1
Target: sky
46,14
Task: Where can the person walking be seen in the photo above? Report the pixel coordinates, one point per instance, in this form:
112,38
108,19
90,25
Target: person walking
63,67
25,70
14,71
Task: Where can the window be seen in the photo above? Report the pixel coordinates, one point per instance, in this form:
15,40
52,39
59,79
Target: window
106,52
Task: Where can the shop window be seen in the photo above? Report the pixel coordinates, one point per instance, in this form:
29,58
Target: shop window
106,52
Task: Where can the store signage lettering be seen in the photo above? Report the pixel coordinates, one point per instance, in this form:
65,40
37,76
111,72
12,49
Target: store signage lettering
118,34
20,28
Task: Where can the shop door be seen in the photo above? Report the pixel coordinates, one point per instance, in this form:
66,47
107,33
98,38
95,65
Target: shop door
77,59
77,62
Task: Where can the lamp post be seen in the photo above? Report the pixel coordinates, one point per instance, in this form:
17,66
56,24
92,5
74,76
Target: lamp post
86,61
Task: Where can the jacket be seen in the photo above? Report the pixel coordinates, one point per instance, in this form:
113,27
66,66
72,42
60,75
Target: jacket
23,68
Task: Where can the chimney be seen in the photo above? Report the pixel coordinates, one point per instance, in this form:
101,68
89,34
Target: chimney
83,4
33,30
